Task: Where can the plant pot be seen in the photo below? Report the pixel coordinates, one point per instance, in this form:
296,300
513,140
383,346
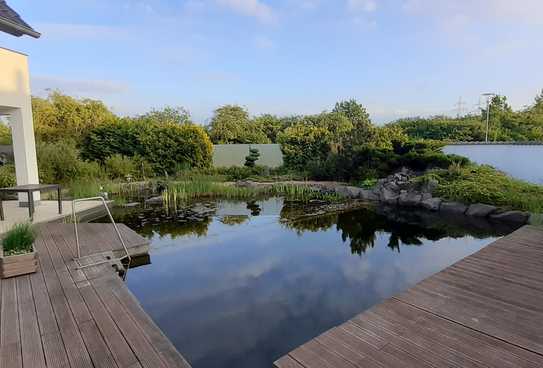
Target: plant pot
17,265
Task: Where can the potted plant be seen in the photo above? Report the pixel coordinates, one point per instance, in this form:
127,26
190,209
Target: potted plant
17,254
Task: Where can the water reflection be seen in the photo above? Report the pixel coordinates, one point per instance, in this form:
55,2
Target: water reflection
245,291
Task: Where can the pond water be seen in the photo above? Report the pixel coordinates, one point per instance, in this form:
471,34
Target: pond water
240,287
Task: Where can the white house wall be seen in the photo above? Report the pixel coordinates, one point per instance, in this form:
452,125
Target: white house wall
15,101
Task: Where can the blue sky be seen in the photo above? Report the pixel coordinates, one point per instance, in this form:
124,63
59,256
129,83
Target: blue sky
397,57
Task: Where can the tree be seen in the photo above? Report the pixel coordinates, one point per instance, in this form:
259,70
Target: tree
254,155
270,125
302,143
60,116
359,117
168,114
231,125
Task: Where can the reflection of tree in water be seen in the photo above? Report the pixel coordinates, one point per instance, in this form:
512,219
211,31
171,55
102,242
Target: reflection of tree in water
233,220
254,208
312,224
157,221
360,227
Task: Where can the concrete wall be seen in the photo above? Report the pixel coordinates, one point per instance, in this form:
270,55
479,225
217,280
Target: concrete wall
227,155
520,161
15,102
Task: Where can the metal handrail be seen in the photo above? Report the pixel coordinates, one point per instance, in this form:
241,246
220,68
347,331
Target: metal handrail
74,218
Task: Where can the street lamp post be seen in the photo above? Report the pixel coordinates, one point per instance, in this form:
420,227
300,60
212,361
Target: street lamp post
488,96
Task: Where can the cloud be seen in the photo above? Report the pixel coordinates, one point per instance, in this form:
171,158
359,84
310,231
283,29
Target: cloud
40,84
367,6
528,11
251,8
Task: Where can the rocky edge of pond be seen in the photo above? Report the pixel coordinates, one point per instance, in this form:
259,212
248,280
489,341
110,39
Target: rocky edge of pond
399,190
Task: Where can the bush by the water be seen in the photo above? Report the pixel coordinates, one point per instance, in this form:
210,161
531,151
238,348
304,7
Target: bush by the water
367,162
484,184
166,146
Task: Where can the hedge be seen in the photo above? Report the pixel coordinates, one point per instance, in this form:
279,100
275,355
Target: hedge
166,146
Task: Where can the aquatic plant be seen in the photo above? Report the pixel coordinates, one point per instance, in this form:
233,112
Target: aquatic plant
185,191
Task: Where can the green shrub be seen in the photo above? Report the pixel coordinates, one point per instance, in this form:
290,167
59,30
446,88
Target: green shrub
165,146
484,184
5,134
90,170
7,176
119,166
303,143
18,240
57,162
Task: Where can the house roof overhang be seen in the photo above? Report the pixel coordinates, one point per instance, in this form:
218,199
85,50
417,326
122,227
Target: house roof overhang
12,23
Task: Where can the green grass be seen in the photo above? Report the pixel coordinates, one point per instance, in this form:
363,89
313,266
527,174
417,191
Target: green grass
484,184
18,240
205,187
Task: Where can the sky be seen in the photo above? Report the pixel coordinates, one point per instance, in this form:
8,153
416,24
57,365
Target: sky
397,57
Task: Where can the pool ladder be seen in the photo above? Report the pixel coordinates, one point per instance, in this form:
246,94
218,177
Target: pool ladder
108,257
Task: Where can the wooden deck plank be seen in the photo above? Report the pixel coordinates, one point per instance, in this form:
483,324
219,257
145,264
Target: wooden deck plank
124,356
55,351
167,351
143,349
31,345
287,362
71,336
10,351
483,311
60,317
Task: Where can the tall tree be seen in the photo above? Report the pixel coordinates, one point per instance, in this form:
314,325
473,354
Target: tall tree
359,117
168,114
62,116
230,125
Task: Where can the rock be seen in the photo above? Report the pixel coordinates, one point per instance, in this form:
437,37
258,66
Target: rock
426,196
517,217
432,204
201,210
410,199
480,210
246,184
392,186
348,191
388,196
154,200
131,204
453,208
369,195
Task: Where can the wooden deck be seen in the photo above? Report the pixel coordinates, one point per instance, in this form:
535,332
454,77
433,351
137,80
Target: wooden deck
65,317
484,311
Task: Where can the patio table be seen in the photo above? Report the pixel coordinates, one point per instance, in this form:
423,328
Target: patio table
29,189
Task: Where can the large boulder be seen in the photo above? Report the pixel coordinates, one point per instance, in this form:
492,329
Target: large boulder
453,208
388,196
517,217
480,210
431,204
348,191
369,195
410,199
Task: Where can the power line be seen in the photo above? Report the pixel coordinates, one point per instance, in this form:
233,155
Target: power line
460,107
